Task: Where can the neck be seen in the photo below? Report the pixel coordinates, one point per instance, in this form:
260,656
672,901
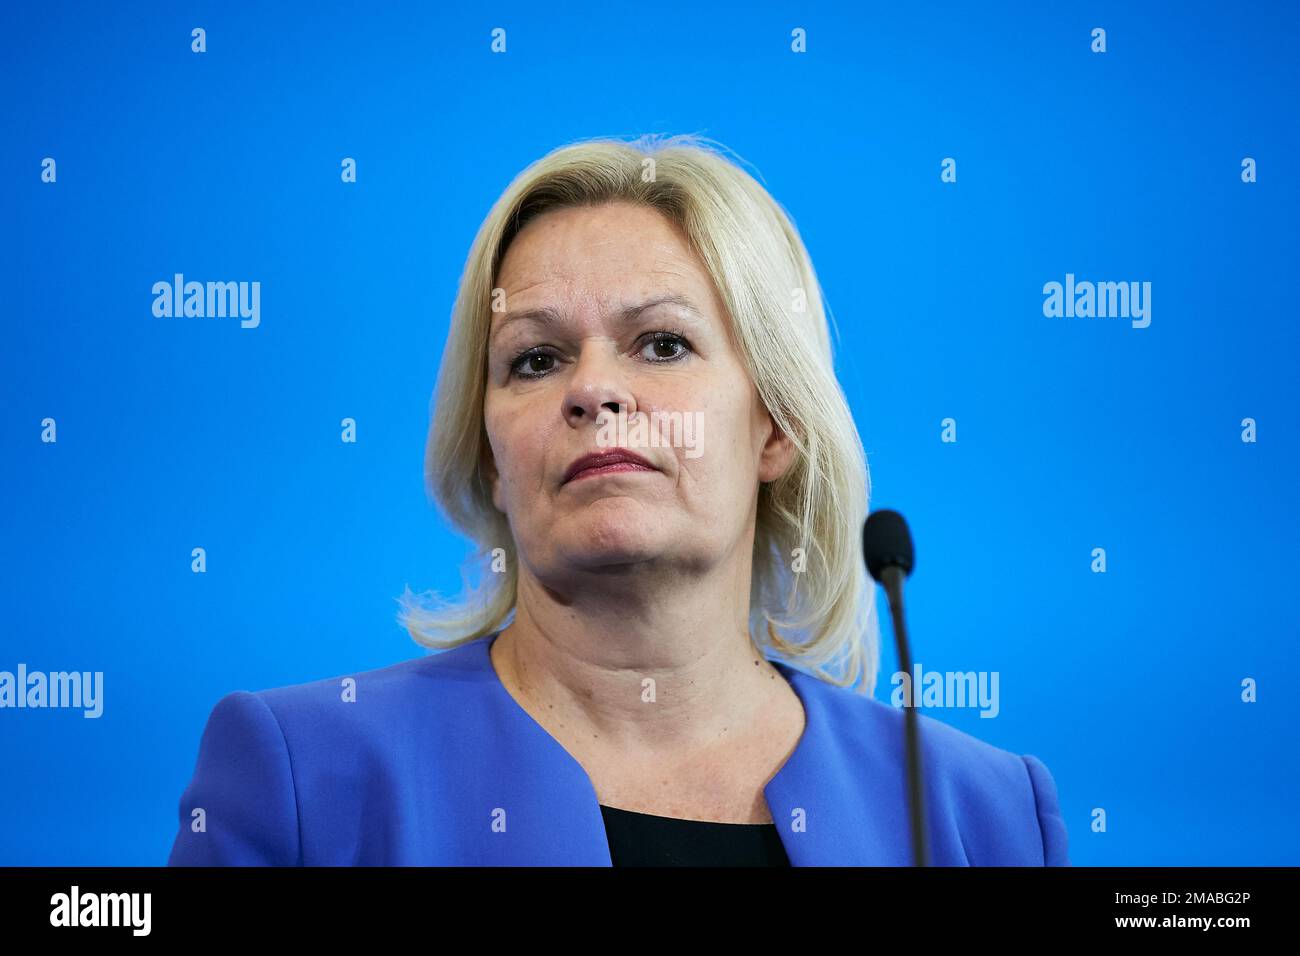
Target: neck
664,670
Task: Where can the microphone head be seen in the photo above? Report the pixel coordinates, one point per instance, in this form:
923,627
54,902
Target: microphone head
886,542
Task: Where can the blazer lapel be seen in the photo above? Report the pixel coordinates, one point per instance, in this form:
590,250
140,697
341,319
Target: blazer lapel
530,801
820,798
532,804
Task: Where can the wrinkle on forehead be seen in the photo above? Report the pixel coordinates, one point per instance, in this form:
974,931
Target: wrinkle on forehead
585,235
600,271
591,264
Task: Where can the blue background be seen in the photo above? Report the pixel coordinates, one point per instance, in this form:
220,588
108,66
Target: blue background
1072,433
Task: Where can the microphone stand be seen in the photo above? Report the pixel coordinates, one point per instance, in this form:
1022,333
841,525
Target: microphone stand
892,579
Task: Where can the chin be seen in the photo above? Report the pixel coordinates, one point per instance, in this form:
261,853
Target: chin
605,540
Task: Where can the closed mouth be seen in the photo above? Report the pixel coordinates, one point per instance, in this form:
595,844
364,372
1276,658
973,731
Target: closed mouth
610,463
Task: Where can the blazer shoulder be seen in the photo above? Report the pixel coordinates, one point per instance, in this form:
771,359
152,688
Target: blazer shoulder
1004,805
240,807
381,715
429,678
270,759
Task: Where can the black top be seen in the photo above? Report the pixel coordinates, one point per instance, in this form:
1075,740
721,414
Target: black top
642,839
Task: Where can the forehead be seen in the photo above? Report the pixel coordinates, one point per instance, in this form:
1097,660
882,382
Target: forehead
603,252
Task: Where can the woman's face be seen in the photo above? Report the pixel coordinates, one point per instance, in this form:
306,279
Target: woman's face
605,307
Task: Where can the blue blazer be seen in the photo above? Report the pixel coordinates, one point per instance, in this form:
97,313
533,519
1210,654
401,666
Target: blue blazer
434,763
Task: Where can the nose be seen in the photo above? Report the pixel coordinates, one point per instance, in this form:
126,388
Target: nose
597,384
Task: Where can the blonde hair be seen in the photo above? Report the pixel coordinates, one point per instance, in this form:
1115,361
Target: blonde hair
820,617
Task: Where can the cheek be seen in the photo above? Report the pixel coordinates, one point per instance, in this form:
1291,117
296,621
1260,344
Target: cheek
727,434
520,454
723,451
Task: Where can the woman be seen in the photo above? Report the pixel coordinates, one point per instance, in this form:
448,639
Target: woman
638,421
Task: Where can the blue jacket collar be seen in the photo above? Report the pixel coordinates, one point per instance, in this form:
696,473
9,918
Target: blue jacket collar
556,818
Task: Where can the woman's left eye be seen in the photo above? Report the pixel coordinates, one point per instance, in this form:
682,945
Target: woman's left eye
668,339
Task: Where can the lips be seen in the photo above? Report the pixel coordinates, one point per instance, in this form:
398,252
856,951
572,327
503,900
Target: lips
603,460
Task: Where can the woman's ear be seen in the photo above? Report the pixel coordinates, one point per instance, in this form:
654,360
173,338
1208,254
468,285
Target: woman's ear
488,470
778,453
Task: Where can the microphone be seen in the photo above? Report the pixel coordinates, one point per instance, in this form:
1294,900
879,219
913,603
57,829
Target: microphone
887,549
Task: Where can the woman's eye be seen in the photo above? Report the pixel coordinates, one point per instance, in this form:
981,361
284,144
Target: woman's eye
661,347
668,340
524,366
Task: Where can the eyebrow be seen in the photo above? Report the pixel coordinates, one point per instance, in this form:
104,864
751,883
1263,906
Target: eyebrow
551,316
